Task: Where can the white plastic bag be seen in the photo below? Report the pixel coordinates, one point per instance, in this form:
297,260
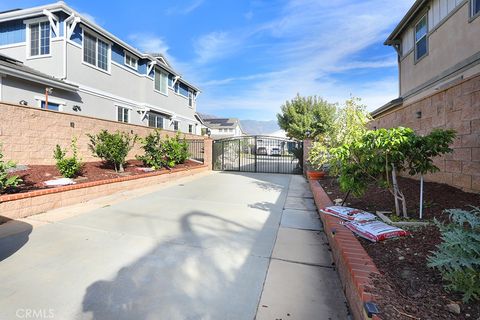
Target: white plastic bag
349,214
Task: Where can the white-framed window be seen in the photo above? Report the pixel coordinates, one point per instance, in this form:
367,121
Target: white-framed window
190,98
421,38
474,8
190,128
54,104
38,35
123,114
161,81
175,125
155,120
96,52
131,61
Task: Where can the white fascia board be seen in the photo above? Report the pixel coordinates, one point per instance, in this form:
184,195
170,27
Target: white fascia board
53,21
38,79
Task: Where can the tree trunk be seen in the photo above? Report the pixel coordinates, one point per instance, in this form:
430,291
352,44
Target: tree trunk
398,194
120,167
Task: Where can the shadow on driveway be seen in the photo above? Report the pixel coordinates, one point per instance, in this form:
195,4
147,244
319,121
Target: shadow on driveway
14,235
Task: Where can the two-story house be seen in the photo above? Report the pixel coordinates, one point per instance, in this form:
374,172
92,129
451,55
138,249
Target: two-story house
96,74
438,48
224,127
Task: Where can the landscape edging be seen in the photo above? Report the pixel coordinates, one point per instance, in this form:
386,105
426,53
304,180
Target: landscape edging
22,205
354,265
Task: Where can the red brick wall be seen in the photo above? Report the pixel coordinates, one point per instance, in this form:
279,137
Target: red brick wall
458,108
29,135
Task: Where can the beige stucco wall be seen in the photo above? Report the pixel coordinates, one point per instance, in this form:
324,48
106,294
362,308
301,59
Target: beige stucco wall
458,108
452,42
29,135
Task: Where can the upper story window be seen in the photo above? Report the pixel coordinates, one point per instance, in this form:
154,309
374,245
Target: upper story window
123,114
39,33
95,52
131,61
421,41
475,5
161,81
190,98
155,120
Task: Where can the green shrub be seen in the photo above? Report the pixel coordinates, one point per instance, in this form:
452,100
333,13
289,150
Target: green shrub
69,167
458,256
7,181
113,148
166,152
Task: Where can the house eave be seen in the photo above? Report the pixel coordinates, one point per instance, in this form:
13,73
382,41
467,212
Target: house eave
416,7
38,79
387,107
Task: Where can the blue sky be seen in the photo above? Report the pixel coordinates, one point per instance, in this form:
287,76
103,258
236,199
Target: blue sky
250,56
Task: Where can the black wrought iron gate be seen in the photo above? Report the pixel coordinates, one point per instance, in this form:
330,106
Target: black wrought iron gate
257,154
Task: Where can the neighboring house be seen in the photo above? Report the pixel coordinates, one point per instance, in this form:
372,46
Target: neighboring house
112,79
438,47
224,127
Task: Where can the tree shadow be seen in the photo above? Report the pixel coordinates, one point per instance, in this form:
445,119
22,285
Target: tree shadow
14,234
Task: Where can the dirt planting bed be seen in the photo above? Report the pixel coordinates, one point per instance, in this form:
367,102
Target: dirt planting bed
408,288
35,176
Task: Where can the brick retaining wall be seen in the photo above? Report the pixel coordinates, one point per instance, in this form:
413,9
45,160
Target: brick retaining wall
29,135
21,205
458,108
353,263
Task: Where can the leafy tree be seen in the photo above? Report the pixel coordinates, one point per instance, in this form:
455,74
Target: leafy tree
458,256
112,147
350,124
69,167
303,115
378,155
7,180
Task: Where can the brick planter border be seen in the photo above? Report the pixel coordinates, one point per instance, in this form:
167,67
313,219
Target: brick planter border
21,205
353,263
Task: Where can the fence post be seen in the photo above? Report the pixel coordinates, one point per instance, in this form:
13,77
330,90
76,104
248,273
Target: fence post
208,152
255,151
307,146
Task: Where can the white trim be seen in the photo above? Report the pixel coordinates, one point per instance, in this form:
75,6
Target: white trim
73,43
13,45
166,82
160,110
40,56
38,21
132,57
53,22
150,67
61,103
129,113
109,52
129,70
69,30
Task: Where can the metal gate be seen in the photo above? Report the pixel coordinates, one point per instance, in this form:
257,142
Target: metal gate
258,154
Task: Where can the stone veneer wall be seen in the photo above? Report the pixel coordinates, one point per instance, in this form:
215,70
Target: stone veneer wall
458,108
28,135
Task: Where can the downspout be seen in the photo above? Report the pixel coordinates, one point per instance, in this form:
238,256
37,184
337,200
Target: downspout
65,43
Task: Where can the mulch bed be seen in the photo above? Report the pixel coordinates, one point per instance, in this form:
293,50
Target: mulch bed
408,288
35,176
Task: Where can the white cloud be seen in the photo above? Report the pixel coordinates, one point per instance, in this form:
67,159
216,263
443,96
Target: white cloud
185,8
149,43
89,17
215,45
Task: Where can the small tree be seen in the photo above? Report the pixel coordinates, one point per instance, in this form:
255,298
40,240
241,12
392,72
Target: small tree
303,115
378,155
7,180
69,167
112,147
166,152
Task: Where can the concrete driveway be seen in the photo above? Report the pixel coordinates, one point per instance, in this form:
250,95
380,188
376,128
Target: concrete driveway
196,249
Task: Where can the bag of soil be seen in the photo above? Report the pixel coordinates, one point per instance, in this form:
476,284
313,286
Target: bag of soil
375,230
349,214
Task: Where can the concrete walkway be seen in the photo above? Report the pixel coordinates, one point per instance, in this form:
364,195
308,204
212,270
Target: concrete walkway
301,282
199,248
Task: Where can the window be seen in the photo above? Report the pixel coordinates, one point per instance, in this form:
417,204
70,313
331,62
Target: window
131,61
39,38
475,5
95,52
161,79
190,98
190,128
123,114
51,106
175,125
421,44
155,120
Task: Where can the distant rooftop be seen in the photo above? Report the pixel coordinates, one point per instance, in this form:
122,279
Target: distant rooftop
220,123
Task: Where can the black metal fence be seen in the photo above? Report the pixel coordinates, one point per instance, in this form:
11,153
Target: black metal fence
257,154
196,149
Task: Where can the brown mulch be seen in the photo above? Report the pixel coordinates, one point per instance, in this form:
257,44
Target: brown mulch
407,287
35,176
